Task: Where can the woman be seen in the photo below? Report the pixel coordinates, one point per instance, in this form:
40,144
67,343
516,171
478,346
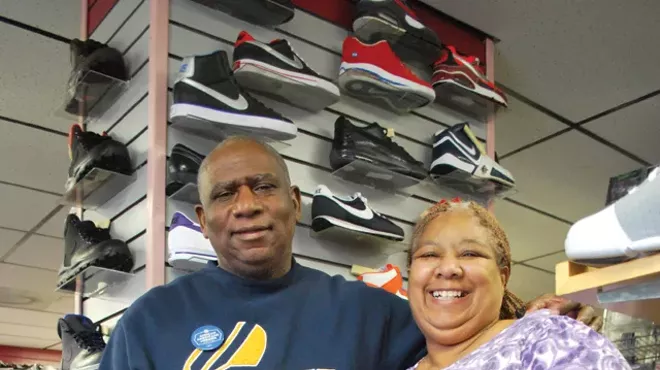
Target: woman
459,266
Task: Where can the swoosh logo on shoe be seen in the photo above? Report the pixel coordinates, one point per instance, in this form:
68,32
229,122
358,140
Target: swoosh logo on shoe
414,22
239,103
295,62
365,213
471,151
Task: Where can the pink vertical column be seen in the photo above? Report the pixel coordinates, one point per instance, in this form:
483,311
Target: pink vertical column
157,137
490,122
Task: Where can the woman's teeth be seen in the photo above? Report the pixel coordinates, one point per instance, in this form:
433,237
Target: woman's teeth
447,294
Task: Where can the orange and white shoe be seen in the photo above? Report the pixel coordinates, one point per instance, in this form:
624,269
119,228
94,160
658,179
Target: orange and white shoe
388,277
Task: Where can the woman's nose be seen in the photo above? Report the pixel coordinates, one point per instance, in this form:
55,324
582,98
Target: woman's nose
449,268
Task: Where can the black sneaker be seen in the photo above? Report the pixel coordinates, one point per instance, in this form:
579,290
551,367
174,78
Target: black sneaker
87,245
395,21
275,69
86,56
182,167
260,12
459,155
372,145
82,343
208,101
352,213
88,150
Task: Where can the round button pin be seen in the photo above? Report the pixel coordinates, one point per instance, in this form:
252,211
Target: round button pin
207,338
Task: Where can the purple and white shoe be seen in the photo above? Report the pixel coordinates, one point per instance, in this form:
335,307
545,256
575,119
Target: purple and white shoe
188,248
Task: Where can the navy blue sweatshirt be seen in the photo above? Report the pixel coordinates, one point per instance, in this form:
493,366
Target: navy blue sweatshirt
212,319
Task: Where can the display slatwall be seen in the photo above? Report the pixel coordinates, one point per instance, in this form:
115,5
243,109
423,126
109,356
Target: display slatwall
195,29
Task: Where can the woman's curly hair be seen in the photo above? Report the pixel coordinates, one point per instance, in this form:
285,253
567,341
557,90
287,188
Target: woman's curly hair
512,306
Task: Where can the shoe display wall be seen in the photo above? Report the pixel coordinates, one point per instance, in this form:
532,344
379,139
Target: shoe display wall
327,97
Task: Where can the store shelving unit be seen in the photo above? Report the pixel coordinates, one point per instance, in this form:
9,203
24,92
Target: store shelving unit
631,288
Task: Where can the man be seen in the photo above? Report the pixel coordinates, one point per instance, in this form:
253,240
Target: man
258,307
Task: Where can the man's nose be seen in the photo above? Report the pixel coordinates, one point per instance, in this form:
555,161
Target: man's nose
246,203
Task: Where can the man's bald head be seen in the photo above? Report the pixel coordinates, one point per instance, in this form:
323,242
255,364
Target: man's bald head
229,144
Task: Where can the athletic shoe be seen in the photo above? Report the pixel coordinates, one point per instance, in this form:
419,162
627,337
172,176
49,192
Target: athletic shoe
82,343
86,56
209,102
182,168
464,72
458,154
374,73
388,278
277,70
88,150
86,245
187,246
394,21
352,213
627,229
372,144
259,12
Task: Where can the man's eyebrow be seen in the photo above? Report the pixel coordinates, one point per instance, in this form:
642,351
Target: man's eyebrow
232,184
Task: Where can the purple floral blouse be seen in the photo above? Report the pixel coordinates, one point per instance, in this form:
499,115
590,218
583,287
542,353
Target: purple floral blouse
540,341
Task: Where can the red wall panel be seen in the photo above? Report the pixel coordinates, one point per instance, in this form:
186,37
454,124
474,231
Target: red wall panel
19,355
97,13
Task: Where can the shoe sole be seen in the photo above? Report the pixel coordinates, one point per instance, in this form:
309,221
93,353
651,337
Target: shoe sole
321,223
302,90
189,261
219,124
110,156
405,45
339,160
111,254
372,86
456,86
260,12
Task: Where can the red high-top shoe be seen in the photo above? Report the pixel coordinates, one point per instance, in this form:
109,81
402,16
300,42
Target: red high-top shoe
465,72
373,72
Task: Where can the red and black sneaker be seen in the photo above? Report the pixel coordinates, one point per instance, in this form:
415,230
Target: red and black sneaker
276,69
466,73
373,72
396,22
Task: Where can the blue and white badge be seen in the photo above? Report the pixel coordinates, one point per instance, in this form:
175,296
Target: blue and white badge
207,338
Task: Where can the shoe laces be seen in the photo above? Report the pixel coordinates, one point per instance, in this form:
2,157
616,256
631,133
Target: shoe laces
90,340
365,202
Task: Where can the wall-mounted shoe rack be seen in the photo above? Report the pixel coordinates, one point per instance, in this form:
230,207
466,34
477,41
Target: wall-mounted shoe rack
632,287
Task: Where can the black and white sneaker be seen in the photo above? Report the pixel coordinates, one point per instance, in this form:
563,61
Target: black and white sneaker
396,22
352,213
277,70
206,96
458,154
260,12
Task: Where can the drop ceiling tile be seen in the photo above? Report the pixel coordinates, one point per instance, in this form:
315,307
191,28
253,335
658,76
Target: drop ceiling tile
55,225
520,124
59,17
566,176
22,209
35,318
521,276
570,56
28,279
34,80
33,157
62,305
635,129
523,228
8,239
548,262
25,330
39,251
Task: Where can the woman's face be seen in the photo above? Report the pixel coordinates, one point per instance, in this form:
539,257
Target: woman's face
455,287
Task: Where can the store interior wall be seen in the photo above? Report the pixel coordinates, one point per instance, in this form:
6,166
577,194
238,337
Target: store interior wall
31,246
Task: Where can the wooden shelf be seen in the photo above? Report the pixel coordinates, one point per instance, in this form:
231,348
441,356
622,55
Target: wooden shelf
611,287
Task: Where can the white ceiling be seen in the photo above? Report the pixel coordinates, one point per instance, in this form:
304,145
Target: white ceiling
575,58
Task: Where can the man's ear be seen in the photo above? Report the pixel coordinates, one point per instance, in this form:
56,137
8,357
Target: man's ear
294,192
201,216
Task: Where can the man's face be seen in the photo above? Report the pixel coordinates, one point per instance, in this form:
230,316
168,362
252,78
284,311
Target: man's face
249,211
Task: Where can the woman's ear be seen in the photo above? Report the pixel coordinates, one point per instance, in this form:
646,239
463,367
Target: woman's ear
504,275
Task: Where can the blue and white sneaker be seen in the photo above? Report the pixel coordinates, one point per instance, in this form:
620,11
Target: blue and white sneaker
188,248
